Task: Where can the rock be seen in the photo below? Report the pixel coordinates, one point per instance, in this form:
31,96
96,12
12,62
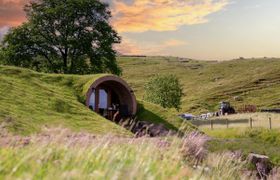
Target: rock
262,164
255,158
237,98
156,130
144,128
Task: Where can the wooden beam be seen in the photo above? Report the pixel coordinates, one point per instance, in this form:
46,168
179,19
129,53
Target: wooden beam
109,98
96,108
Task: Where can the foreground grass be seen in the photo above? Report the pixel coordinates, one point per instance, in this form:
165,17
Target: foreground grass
260,141
61,154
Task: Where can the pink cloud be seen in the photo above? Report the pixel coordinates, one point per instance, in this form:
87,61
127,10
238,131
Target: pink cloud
131,47
11,12
162,15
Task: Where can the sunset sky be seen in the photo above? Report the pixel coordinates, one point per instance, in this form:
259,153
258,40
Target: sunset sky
199,29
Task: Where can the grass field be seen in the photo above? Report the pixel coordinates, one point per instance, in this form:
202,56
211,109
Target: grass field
61,154
205,84
238,136
259,120
260,141
31,100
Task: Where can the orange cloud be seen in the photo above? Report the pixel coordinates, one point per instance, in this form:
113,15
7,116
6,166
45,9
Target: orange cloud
131,47
11,12
162,15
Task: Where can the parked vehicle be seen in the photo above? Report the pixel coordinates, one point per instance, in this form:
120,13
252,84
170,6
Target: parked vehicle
187,116
226,108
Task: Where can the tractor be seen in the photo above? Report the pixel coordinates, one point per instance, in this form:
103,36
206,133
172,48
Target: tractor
225,108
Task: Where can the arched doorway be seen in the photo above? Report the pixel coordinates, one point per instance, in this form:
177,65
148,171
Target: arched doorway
110,94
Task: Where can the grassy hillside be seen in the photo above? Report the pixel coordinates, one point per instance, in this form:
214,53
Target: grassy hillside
205,84
30,100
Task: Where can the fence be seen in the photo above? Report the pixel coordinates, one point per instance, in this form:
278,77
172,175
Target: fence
237,123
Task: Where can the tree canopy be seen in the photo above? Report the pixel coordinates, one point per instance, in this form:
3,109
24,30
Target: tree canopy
64,36
164,90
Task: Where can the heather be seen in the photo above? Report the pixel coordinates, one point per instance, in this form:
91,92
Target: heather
58,153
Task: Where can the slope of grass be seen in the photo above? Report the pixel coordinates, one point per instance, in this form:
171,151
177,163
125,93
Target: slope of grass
205,84
30,100
156,114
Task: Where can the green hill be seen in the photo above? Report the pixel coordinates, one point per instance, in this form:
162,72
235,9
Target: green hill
205,84
30,100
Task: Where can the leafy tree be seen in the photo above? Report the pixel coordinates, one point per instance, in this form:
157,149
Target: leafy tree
64,36
164,90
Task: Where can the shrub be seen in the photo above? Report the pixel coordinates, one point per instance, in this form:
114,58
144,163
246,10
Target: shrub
164,90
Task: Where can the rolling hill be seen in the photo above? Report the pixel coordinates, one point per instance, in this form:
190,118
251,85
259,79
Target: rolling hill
30,100
206,83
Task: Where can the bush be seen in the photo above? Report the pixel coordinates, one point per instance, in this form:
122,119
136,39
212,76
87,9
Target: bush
164,90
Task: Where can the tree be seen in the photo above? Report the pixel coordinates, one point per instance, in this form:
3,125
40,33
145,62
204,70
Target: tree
164,90
64,36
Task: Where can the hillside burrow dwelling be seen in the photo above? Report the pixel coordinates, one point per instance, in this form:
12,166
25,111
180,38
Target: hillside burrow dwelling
109,95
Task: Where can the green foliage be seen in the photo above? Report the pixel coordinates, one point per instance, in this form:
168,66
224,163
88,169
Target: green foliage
64,36
164,90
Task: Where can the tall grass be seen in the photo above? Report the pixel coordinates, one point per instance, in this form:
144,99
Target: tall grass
61,154
257,140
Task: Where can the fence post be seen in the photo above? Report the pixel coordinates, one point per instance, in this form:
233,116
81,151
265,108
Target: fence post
251,123
211,122
270,124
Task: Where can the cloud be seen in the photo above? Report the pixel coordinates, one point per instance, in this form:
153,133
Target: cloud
131,47
162,15
11,12
135,15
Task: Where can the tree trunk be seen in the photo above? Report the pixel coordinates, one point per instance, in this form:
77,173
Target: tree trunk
65,58
64,64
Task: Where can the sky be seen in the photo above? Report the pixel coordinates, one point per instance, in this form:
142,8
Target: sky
197,29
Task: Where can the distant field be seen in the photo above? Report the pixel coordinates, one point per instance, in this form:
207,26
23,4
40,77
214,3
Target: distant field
259,120
205,84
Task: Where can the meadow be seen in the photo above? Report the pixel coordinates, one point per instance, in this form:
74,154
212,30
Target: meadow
234,133
88,146
61,154
206,83
246,140
243,120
